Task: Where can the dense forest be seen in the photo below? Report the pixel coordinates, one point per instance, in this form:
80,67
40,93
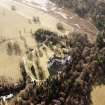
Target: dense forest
74,84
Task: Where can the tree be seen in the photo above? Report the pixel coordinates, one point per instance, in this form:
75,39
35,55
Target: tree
100,40
17,48
60,27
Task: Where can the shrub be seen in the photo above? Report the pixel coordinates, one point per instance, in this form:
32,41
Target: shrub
9,48
100,40
100,22
13,8
17,48
60,27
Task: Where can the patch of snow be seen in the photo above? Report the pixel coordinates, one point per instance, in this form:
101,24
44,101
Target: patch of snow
71,17
41,7
77,25
62,14
52,9
42,4
6,97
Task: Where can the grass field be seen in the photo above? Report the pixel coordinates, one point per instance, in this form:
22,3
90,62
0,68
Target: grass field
12,26
98,95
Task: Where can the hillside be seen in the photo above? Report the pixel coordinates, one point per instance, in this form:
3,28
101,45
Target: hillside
52,52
